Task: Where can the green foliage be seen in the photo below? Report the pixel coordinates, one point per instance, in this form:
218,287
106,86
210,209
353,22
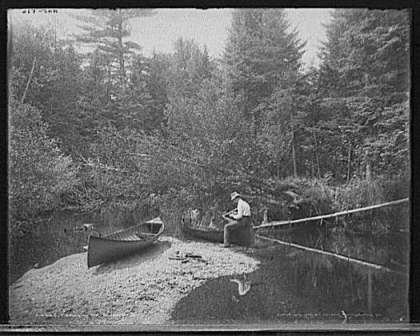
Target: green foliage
365,68
185,130
161,135
54,87
41,177
189,67
261,55
360,193
112,174
148,92
263,60
120,78
106,30
31,46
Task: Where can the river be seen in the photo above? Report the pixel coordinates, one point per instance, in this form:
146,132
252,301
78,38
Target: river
293,284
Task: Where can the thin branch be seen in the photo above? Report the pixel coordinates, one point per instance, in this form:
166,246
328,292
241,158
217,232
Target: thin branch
29,81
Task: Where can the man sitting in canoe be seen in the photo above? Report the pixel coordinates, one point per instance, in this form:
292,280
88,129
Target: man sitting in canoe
241,215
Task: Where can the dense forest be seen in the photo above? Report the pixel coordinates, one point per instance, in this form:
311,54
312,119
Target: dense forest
114,129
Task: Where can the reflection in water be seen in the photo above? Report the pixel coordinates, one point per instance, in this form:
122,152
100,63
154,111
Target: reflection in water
278,299
298,286
353,287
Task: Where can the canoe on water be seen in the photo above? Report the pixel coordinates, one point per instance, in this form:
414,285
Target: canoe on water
124,242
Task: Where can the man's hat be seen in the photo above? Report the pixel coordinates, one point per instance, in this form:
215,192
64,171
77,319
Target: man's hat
234,195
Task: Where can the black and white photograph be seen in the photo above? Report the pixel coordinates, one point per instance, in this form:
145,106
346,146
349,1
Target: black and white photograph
224,167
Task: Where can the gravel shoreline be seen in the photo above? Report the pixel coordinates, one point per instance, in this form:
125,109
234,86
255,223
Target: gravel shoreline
142,289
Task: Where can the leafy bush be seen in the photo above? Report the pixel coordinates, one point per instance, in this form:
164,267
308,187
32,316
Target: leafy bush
40,176
359,193
302,197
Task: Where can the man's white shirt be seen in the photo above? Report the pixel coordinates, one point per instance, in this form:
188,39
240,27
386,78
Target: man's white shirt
243,210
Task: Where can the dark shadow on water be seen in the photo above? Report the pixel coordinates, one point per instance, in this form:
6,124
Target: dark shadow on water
135,259
290,292
271,299
56,237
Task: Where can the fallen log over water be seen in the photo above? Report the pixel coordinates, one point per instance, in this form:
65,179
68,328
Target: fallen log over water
341,213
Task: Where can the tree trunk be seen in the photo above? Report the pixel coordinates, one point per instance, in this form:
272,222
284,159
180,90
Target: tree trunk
121,51
349,164
368,172
316,154
368,168
369,291
109,83
294,155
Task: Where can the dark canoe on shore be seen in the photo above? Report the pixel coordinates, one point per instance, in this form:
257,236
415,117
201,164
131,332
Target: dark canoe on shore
215,236
124,242
238,237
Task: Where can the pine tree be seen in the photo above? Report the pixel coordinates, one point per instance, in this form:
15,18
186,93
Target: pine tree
156,81
365,72
263,60
189,67
107,30
261,55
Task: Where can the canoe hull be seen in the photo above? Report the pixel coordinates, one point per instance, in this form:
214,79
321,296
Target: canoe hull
212,236
102,250
123,243
238,237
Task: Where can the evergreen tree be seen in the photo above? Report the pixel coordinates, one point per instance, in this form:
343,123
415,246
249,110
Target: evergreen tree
263,60
130,101
189,68
94,97
157,85
107,30
261,56
148,89
365,72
